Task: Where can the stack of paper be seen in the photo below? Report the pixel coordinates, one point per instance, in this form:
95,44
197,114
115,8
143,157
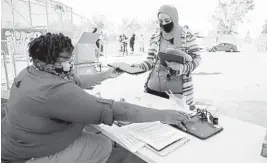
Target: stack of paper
129,141
126,139
155,134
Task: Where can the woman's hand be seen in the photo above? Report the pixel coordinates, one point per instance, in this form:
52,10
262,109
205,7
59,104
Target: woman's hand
177,118
134,65
176,67
113,72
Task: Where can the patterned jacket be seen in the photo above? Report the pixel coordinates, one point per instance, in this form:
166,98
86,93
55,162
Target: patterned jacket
190,46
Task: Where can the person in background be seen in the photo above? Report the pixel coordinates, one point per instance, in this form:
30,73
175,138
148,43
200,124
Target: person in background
94,30
121,43
142,43
100,47
173,76
48,109
132,42
125,44
102,43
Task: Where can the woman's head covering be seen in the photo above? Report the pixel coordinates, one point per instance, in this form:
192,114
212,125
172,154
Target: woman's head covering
175,33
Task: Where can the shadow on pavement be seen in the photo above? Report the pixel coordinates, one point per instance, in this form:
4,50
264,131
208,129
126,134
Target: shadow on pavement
207,73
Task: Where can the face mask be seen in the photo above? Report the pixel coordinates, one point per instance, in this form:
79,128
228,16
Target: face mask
167,27
64,67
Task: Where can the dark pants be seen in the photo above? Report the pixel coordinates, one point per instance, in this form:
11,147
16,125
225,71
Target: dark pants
125,49
132,47
142,48
102,48
157,93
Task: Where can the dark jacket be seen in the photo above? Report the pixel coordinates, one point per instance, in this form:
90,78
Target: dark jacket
132,40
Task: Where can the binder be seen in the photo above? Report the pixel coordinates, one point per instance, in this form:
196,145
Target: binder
127,68
171,58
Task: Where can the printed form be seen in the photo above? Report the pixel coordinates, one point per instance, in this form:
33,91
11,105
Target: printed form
155,134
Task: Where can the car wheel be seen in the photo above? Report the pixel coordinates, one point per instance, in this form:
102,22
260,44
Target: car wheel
213,50
232,50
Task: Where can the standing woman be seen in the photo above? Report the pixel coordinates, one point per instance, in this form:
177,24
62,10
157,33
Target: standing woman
125,44
165,76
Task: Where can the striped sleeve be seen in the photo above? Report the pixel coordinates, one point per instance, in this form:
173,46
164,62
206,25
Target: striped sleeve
152,50
193,51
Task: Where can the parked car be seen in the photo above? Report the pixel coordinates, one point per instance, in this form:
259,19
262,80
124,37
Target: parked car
223,47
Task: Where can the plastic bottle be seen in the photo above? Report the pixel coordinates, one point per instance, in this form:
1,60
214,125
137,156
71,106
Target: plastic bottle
264,146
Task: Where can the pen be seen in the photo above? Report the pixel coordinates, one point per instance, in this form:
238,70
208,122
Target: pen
171,93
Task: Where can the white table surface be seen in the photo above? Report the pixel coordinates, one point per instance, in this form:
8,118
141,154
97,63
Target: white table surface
239,142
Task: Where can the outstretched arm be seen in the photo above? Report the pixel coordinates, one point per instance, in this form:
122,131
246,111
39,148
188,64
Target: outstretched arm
87,81
70,103
152,54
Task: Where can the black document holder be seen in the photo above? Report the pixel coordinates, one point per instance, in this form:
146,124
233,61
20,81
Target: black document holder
200,128
127,68
171,58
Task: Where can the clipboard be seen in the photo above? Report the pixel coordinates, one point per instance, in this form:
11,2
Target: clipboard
201,129
171,58
127,68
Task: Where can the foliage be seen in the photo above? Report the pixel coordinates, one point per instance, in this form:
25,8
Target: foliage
229,13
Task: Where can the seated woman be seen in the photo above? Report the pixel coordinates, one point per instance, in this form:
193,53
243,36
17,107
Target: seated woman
48,109
174,76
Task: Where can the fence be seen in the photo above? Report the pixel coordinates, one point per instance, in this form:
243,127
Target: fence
23,20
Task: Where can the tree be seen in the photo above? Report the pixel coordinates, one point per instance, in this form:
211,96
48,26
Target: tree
229,13
130,25
99,22
152,25
103,26
264,28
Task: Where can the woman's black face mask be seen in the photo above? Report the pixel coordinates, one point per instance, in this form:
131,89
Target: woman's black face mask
167,27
